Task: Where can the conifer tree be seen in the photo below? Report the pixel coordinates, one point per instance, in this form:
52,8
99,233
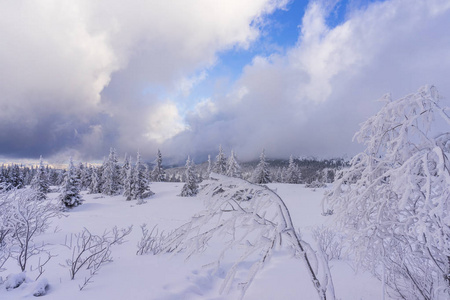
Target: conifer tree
70,190
128,181
124,170
209,168
111,174
220,166
40,181
292,172
94,186
140,189
233,168
158,173
261,175
190,188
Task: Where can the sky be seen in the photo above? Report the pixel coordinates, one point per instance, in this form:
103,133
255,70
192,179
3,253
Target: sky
292,77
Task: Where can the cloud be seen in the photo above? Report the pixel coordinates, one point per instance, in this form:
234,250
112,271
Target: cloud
83,65
311,100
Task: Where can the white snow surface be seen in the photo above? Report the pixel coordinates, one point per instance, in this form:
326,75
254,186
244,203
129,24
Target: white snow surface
168,276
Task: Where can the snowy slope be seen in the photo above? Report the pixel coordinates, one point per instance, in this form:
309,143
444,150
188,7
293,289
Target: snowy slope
168,276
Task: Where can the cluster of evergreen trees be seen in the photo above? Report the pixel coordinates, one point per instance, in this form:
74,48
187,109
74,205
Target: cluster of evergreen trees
18,176
132,179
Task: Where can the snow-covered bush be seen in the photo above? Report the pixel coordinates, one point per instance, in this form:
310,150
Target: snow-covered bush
24,216
254,225
315,185
151,241
329,241
13,281
91,252
394,199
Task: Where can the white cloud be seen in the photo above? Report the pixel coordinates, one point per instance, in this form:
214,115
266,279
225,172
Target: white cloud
87,62
163,123
311,100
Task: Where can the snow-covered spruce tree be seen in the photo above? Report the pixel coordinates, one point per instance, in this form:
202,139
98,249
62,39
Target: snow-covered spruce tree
128,181
40,181
233,168
111,174
220,166
394,199
124,169
70,189
209,167
261,174
158,173
190,188
140,188
94,186
292,172
15,177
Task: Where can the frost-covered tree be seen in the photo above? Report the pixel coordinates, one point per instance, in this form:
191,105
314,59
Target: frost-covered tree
261,174
394,199
124,170
70,190
292,172
190,188
111,174
233,167
158,173
40,181
15,177
94,186
249,223
209,167
140,189
220,166
128,181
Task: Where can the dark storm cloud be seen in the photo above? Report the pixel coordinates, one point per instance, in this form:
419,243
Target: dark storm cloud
57,58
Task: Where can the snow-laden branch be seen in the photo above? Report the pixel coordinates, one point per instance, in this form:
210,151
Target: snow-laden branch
248,217
394,199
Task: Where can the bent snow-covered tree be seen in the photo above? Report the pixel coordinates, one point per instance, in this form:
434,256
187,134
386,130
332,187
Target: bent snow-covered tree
251,219
394,199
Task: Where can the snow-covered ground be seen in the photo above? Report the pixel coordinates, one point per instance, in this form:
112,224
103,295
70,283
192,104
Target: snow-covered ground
168,276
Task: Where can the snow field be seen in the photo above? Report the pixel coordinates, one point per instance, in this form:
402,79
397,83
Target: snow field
169,276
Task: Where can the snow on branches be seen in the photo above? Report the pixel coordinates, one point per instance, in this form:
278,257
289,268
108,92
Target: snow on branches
394,199
251,218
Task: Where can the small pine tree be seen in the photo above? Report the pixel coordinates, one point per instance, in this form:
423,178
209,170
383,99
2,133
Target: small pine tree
94,186
70,190
111,175
220,166
261,175
209,168
40,182
128,181
158,174
190,188
292,172
233,168
140,189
